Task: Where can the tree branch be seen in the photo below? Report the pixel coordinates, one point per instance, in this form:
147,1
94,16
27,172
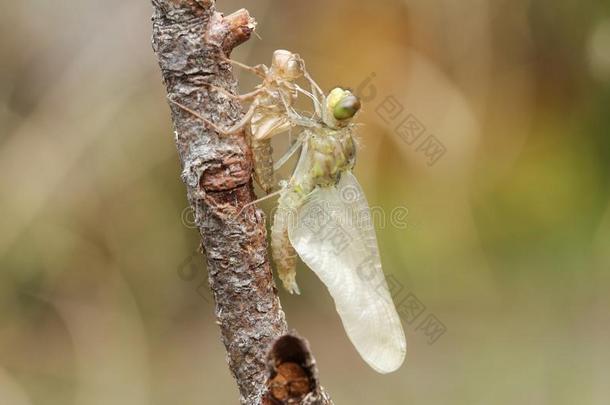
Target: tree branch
191,40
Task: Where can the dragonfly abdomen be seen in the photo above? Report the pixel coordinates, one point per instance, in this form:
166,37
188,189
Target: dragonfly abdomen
284,255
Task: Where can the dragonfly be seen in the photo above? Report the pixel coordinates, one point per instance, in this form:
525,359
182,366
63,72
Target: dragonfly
323,217
321,185
270,112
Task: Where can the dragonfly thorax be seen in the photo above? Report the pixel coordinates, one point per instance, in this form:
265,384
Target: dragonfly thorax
332,153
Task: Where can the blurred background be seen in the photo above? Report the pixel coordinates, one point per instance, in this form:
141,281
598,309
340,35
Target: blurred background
486,125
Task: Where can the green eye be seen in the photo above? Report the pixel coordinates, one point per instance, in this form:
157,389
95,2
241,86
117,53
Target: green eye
346,108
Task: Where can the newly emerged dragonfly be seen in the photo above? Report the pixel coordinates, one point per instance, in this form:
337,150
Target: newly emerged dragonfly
323,216
322,213
270,112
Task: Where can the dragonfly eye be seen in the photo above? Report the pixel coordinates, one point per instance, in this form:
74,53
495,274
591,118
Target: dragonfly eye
347,107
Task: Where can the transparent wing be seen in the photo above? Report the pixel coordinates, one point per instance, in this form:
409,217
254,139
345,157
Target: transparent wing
334,235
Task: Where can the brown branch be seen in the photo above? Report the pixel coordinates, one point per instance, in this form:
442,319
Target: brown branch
191,40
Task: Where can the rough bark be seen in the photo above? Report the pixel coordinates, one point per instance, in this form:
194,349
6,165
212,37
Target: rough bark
191,40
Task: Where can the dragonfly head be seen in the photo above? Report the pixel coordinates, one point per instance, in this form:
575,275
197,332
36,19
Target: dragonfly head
341,105
288,65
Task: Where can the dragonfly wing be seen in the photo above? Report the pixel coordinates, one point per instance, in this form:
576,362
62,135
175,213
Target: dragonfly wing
334,235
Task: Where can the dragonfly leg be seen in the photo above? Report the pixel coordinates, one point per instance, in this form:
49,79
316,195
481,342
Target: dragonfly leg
296,118
197,115
223,131
315,89
316,104
241,124
271,195
259,70
291,151
239,97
